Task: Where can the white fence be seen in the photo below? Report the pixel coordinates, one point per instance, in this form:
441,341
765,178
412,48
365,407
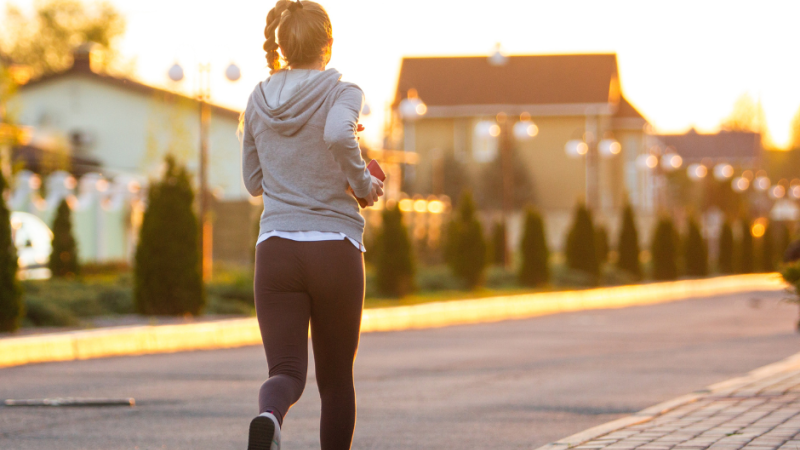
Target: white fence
106,214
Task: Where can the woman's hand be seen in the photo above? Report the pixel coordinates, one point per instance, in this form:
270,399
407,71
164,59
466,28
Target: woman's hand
376,192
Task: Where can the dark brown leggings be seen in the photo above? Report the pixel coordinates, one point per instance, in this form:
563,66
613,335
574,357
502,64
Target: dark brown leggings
321,283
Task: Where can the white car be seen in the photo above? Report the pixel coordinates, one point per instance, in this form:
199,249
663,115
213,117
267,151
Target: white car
34,242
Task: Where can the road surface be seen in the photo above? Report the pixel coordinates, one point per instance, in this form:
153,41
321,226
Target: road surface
509,385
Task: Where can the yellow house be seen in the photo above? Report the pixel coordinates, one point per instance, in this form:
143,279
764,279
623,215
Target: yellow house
582,143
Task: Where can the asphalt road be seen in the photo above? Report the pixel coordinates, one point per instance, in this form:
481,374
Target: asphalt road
517,384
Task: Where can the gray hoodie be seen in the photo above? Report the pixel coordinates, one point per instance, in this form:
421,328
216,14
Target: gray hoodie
300,152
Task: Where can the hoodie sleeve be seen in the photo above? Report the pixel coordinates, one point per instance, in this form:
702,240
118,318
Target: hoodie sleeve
340,136
251,166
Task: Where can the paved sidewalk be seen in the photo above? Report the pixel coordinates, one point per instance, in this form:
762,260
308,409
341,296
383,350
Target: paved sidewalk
757,412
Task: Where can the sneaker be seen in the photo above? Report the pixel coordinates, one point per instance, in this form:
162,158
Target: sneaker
265,433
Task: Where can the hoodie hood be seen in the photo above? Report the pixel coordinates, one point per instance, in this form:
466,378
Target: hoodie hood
286,100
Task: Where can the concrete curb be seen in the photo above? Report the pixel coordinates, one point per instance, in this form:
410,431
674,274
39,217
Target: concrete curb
719,389
141,340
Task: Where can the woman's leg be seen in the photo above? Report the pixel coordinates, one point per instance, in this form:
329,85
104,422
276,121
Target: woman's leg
283,309
336,286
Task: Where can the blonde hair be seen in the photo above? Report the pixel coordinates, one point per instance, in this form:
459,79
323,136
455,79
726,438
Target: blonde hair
303,29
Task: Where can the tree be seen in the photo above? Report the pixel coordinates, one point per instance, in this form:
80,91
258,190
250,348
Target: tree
725,251
581,248
499,244
747,115
491,183
394,262
601,243
12,308
45,41
768,248
695,251
466,247
534,270
628,245
664,250
64,257
745,254
794,143
167,275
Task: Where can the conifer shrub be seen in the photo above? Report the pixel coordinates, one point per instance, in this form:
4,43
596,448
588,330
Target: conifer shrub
394,263
581,248
628,245
695,251
466,250
167,271
664,250
746,253
12,308
725,251
601,243
499,244
64,258
534,270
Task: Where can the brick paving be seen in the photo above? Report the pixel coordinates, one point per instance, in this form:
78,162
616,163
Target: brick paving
759,414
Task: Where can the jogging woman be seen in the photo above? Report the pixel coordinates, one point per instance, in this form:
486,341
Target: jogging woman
300,153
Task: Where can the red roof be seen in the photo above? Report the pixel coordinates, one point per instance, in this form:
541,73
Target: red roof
523,80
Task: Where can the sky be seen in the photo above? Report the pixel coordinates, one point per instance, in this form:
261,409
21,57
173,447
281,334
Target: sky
682,63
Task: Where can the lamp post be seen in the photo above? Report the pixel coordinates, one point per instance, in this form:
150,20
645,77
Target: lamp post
593,151
507,131
203,95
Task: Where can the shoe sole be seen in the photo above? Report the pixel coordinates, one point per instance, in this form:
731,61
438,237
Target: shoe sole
262,430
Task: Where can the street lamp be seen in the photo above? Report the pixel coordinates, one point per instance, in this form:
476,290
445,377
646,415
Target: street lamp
503,129
203,95
589,148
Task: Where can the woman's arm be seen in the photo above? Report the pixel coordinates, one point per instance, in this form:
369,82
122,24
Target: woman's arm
340,135
251,166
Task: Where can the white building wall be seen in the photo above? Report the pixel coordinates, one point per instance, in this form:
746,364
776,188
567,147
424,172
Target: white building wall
132,130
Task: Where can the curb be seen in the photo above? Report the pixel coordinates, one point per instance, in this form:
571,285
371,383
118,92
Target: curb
140,340
719,389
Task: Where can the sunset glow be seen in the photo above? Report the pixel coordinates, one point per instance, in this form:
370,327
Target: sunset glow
682,63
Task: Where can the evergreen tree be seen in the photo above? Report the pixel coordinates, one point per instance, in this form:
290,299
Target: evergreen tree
533,248
665,251
393,256
499,244
725,253
12,307
695,251
581,248
167,277
745,257
768,248
64,258
628,245
466,246
601,243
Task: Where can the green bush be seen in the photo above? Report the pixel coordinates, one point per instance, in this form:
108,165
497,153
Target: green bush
745,256
466,246
499,244
64,258
534,270
12,308
167,273
664,249
791,273
394,264
581,247
628,245
601,244
695,251
725,251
